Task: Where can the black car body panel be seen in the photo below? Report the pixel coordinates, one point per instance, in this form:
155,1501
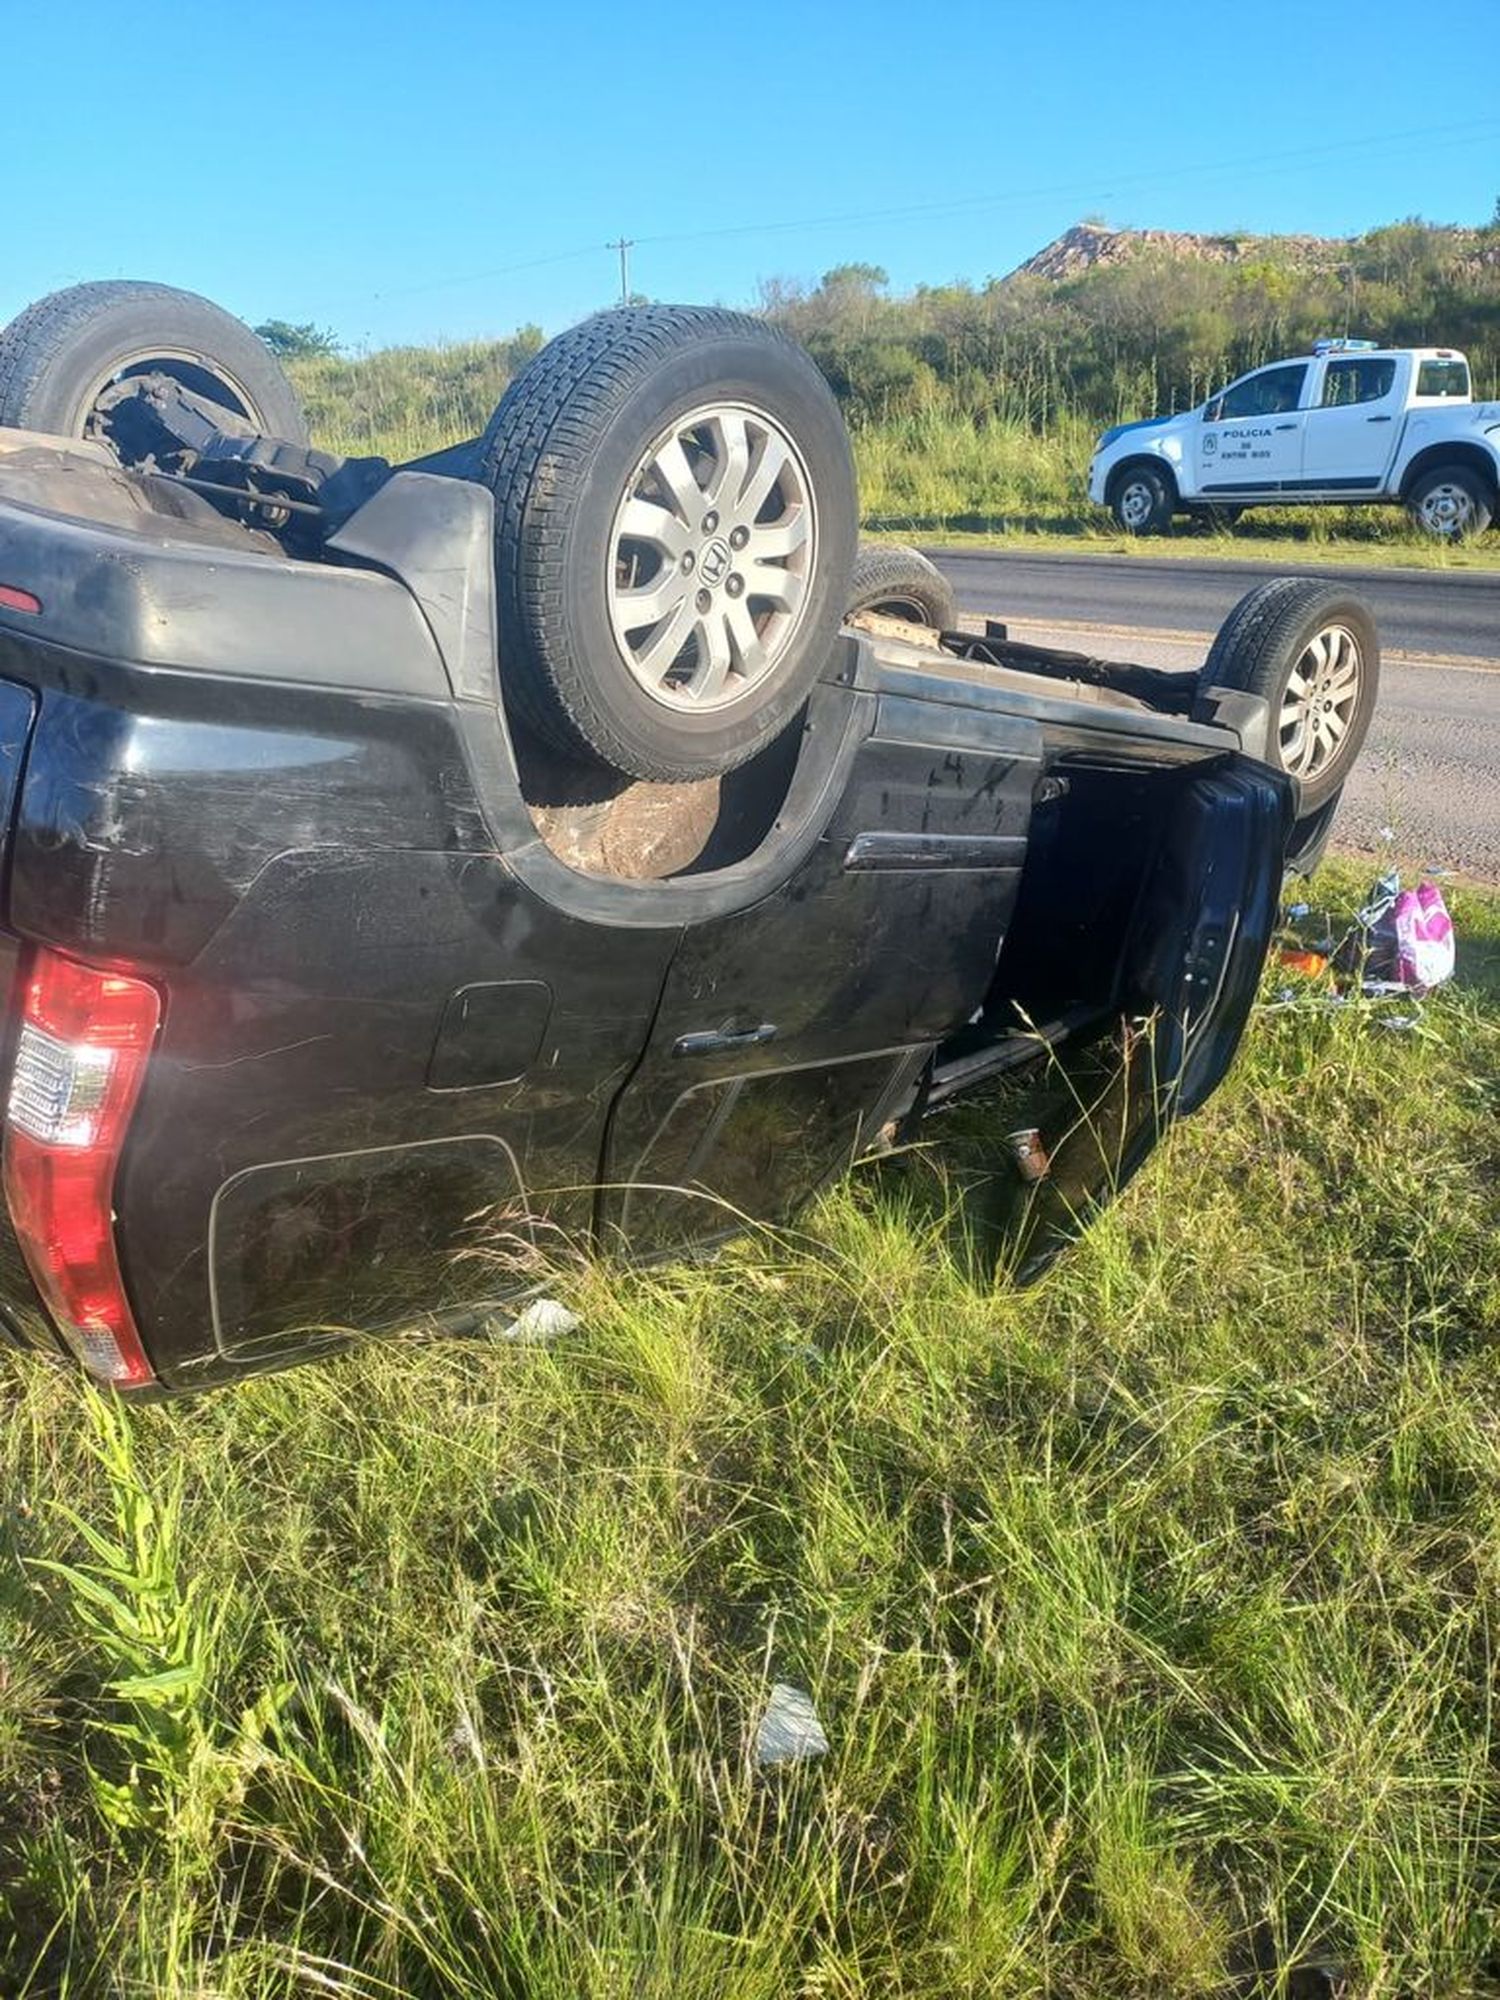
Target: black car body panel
408,1055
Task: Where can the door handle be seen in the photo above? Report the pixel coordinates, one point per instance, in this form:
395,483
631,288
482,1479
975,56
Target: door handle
1286,427
714,1041
1377,420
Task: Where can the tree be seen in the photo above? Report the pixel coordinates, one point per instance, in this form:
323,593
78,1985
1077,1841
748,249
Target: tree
298,343
863,278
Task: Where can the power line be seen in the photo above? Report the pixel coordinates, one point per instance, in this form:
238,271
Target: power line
472,277
1286,162
1289,161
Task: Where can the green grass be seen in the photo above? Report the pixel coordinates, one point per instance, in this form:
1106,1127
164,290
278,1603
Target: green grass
401,402
1151,1613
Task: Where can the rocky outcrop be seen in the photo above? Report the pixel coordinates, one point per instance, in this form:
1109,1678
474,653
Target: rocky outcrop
1087,244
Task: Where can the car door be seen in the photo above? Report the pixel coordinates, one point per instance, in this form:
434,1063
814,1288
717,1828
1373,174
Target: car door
790,1029
400,1066
1189,973
1250,439
1351,430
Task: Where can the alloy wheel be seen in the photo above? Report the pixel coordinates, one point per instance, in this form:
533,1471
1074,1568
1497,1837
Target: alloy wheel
711,557
1446,510
1321,699
1136,502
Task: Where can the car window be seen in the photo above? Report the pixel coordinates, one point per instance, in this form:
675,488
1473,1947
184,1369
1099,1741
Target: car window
1271,393
1443,378
1362,381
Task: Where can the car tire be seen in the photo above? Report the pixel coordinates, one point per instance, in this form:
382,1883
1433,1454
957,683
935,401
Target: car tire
675,531
902,583
1451,503
1142,500
60,355
1310,651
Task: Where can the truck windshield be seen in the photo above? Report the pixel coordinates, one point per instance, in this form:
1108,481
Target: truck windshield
1443,378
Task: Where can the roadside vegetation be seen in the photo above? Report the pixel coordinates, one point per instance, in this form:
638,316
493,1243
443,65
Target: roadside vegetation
974,409
1151,1613
403,401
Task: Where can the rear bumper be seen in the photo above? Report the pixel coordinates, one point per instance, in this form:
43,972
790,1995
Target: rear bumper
148,596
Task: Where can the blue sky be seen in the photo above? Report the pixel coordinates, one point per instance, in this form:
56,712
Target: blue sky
432,172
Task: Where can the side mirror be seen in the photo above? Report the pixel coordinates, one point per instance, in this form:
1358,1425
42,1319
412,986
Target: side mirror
1211,411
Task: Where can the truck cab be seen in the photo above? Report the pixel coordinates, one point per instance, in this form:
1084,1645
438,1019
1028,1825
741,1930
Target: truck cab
1350,421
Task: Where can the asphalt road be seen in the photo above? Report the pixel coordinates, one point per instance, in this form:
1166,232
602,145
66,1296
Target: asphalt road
1430,772
1449,615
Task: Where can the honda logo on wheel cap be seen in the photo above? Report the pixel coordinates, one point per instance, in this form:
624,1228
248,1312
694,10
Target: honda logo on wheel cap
713,564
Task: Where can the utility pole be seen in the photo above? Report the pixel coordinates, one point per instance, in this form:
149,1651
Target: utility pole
624,245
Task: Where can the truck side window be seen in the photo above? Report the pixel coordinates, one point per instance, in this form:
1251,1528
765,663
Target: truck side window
1348,382
1271,393
1443,378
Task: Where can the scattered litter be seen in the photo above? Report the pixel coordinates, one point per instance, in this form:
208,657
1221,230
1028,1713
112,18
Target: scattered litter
1306,1003
790,1732
1402,940
1399,947
1031,1157
1426,952
806,1351
1380,901
1297,959
464,1742
543,1320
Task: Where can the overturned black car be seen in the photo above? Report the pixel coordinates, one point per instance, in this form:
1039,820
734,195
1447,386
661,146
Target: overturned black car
415,872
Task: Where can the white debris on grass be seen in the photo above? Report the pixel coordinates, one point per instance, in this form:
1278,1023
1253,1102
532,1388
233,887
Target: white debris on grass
790,1731
465,1744
543,1320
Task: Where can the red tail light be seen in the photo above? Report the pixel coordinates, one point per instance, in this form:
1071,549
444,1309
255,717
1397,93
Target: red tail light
84,1042
13,598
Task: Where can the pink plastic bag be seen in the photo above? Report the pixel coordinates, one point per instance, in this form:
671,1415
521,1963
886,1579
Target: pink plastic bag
1423,937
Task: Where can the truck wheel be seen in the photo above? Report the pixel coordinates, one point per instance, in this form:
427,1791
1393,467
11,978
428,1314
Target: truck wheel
1450,503
1310,651
59,356
902,583
675,531
1143,500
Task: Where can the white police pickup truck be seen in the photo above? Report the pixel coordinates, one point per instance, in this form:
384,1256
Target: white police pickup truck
1352,421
